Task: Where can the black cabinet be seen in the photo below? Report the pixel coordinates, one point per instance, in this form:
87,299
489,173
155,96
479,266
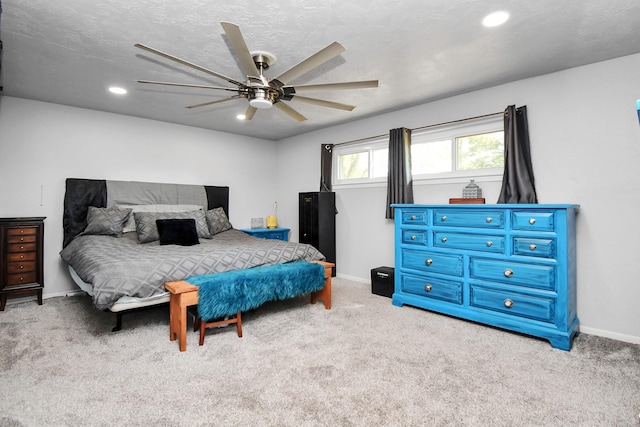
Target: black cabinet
317,222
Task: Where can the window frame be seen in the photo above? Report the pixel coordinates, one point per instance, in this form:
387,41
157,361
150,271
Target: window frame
450,131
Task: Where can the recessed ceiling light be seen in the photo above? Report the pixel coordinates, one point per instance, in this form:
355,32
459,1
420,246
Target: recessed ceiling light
496,18
117,90
241,117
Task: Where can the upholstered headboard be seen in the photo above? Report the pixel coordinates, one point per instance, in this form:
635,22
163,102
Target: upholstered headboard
82,193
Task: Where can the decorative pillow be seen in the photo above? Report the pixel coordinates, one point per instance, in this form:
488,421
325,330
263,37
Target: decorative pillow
177,232
131,223
106,221
217,221
148,230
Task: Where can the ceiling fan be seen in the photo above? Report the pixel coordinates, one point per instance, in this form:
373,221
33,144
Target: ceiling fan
261,91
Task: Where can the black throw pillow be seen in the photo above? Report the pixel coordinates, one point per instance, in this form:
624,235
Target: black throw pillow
177,232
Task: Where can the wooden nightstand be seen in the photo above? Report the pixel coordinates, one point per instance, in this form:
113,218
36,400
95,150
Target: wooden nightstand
21,257
269,233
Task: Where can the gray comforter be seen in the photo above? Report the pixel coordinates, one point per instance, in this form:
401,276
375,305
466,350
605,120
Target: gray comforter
118,267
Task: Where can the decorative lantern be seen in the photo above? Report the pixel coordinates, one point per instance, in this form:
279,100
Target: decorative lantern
472,191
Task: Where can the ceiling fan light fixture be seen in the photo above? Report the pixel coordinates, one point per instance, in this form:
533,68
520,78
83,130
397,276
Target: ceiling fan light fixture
261,98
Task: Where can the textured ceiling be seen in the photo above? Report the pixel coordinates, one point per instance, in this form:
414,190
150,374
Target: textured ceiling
70,51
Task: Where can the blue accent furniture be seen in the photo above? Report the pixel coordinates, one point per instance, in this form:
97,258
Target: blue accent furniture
268,233
512,266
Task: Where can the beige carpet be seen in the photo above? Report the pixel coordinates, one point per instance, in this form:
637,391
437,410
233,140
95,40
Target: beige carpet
362,363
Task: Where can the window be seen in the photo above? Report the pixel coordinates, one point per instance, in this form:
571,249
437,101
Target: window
470,148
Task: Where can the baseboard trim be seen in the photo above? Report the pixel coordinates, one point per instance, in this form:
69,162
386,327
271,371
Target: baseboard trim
353,278
608,334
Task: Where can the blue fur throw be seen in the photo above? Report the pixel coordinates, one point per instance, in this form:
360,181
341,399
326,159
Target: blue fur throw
226,293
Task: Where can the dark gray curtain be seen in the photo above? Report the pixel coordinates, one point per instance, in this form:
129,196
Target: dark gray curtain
399,180
517,181
326,161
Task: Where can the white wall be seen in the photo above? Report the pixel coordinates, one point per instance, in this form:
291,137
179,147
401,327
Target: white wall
42,144
585,139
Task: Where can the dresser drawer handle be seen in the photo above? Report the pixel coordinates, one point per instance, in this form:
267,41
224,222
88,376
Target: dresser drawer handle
444,218
444,240
532,247
428,288
22,239
413,237
22,267
532,221
489,243
508,272
489,219
21,231
508,303
413,217
429,261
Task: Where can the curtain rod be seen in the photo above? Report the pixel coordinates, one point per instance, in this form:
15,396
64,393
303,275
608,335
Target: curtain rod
423,127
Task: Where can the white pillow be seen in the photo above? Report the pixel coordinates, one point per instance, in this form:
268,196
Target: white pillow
130,225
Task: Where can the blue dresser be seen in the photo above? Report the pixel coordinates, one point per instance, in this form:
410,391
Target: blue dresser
509,266
268,233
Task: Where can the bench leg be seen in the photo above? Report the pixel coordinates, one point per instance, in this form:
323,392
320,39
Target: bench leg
325,293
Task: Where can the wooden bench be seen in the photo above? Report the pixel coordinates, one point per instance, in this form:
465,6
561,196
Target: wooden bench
184,294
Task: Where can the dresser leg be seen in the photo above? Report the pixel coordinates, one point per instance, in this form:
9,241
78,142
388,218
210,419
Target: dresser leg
3,301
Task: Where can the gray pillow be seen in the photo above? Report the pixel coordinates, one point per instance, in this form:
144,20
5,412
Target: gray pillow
148,230
106,221
217,221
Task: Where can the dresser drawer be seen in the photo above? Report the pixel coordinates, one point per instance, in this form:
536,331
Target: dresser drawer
21,247
18,279
472,242
432,262
414,216
431,287
21,267
513,273
533,221
414,237
21,256
545,248
513,303
470,219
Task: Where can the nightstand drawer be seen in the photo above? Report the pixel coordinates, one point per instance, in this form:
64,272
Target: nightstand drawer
18,279
21,247
472,242
432,262
469,219
513,273
431,287
21,238
545,248
21,267
24,231
21,256
533,221
513,303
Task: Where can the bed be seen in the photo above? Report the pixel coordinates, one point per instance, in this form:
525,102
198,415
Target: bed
124,263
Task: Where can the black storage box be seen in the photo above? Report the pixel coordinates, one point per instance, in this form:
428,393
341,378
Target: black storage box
382,281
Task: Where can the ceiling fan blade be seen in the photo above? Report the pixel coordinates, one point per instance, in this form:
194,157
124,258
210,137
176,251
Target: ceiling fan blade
364,84
240,47
189,64
248,115
217,101
152,82
318,58
290,111
323,103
